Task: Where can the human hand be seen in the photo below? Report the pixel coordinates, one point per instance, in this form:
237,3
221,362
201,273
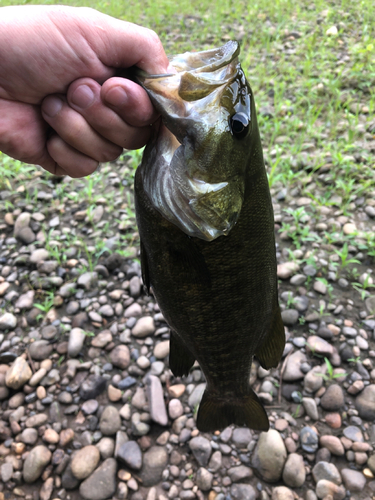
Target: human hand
60,104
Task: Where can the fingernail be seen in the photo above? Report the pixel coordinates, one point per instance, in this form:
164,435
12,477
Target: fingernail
82,97
117,96
52,106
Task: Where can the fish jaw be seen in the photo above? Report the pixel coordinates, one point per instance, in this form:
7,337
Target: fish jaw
197,181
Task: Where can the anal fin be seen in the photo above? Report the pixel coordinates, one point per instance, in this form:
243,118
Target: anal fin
269,354
180,358
216,413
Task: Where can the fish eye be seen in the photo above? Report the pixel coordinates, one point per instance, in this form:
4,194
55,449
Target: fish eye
239,125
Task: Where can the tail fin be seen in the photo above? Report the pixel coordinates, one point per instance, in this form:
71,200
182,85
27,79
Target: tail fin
216,413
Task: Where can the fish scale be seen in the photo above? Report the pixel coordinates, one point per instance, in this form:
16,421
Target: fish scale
216,288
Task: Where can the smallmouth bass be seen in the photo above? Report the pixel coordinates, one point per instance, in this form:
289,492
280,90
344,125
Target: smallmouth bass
205,220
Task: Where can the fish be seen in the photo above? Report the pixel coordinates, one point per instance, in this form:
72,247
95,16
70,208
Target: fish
206,226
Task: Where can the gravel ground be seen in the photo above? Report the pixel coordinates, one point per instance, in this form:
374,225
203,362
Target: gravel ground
88,406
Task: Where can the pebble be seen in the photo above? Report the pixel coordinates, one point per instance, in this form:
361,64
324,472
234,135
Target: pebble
155,460
40,350
365,403
287,269
35,463
204,479
101,484
88,280
294,473
144,327
201,449
270,456
76,340
289,317
175,408
311,408
328,490
333,444
161,350
333,398
313,380
85,461
120,356
293,370
8,321
239,473
18,374
319,346
241,437
354,480
110,421
26,300
327,471
282,493
92,387
155,396
242,492
353,433
130,453
309,439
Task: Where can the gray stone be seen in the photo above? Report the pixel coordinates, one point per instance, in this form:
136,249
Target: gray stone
216,461
88,280
333,398
294,473
102,482
365,403
29,436
25,301
89,407
196,396
120,356
67,290
110,421
310,408
40,350
325,488
130,453
293,367
204,479
154,462
76,340
354,480
240,473
22,230
155,396
51,378
92,387
242,492
313,380
289,317
354,433
6,471
309,440
319,346
8,321
85,461
270,456
327,471
35,463
106,447
282,493
241,437
39,255
201,449
18,374
144,327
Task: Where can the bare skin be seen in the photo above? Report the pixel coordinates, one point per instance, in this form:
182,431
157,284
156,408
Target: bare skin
61,105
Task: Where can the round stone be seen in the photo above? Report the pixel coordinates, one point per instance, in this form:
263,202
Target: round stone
35,463
85,461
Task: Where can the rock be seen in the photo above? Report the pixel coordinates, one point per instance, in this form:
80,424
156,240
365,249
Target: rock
242,492
40,349
201,449
161,350
196,396
320,287
18,374
319,346
354,480
325,488
365,403
175,408
144,327
120,356
36,420
333,398
334,420
88,280
354,433
102,482
39,255
282,493
29,436
241,437
110,421
289,317
35,463
293,367
26,300
327,471
76,340
313,380
269,456
85,461
92,387
333,444
310,408
22,230
66,437
6,471
155,396
102,339
239,473
51,436
90,406
8,321
106,447
134,310
204,479
154,462
309,440
130,453
287,269
294,473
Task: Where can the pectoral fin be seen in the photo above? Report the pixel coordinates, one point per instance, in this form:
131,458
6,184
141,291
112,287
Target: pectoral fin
269,354
180,358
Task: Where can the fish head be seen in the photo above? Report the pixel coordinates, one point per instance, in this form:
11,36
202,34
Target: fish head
204,143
